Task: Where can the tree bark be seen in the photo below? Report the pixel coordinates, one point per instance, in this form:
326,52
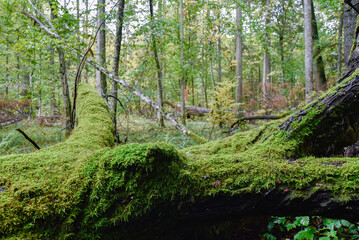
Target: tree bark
101,47
219,70
116,63
308,50
319,71
239,91
266,60
340,43
182,78
158,67
349,23
52,73
86,33
7,68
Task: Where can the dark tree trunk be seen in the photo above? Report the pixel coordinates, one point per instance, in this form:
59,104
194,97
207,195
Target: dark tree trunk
349,23
318,66
158,67
116,62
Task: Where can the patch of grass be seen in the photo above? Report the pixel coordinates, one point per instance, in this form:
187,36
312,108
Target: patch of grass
12,142
138,129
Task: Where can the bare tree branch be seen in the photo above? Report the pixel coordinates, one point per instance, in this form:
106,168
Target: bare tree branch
28,138
43,15
41,25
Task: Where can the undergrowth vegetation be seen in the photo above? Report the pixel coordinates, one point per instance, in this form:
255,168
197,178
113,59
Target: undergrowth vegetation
138,129
12,142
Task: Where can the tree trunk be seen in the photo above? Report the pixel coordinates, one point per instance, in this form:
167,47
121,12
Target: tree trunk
7,68
219,70
340,33
349,23
63,75
158,66
86,33
308,50
65,88
101,47
182,78
239,91
116,64
319,72
52,73
266,60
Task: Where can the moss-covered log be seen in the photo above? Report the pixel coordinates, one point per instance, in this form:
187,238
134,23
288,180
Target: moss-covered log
81,190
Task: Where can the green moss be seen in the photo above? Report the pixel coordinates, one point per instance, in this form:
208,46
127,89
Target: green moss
43,187
81,189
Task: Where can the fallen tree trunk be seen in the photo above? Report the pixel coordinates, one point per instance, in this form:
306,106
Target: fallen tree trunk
76,190
191,111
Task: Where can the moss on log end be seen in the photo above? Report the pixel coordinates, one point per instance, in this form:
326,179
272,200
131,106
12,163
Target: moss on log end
40,191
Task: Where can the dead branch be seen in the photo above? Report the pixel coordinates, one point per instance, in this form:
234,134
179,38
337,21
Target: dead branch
28,138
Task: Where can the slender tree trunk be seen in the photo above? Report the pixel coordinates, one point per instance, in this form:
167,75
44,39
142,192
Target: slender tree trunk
266,61
308,49
349,23
63,75
219,56
65,87
340,33
211,69
86,33
52,72
182,81
101,47
158,67
203,78
319,71
78,31
239,80
116,64
40,90
7,69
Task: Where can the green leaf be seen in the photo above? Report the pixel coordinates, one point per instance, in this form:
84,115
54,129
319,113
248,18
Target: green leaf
307,233
269,236
270,226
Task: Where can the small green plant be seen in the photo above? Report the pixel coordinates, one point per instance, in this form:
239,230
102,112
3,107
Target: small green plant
223,106
305,227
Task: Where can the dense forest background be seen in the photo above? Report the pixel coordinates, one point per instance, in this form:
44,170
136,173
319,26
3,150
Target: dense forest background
198,52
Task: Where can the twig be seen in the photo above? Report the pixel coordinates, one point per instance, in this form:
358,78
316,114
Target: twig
349,2
28,138
109,95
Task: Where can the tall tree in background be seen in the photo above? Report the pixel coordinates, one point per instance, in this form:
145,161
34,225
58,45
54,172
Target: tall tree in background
182,78
63,70
116,62
340,33
158,66
308,49
266,58
319,71
349,23
101,47
239,91
85,25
